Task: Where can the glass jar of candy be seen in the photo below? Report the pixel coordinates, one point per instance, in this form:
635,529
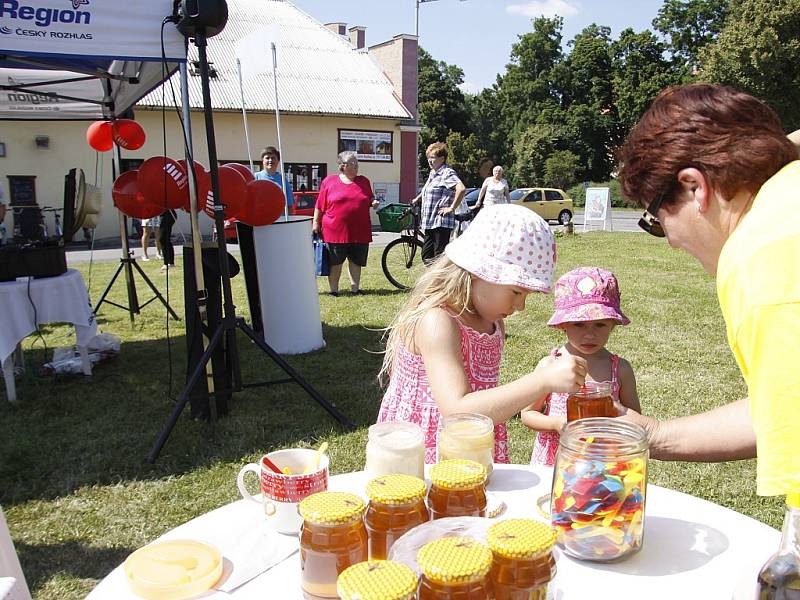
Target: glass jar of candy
599,488
396,504
522,563
332,538
396,447
455,568
458,489
469,436
593,399
378,580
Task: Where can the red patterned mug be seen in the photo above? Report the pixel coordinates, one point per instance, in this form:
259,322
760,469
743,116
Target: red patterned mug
281,493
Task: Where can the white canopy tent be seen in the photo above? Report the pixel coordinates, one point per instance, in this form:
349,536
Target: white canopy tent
83,59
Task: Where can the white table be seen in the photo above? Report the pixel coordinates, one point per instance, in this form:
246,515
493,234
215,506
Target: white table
692,548
25,304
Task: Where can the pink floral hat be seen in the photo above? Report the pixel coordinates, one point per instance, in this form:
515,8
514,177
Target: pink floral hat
587,294
508,245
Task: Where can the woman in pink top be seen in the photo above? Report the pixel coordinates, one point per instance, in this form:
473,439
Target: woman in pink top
342,217
444,348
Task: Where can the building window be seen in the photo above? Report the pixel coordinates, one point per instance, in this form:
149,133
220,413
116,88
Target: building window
306,177
369,146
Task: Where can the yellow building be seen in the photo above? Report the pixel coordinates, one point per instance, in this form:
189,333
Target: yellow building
333,94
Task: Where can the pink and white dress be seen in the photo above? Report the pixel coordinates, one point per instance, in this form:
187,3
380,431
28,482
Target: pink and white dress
409,397
546,445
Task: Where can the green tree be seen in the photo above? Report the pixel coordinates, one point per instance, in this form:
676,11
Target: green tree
560,169
465,152
690,25
531,149
758,52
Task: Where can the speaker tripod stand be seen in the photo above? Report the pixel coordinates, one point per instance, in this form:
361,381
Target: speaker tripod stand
230,323
129,265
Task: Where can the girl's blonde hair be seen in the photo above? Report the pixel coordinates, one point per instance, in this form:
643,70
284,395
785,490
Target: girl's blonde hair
445,284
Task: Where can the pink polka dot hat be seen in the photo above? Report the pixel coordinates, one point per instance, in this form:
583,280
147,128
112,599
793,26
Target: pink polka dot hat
508,245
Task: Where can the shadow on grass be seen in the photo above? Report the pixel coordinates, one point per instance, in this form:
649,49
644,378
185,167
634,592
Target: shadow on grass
71,432
70,558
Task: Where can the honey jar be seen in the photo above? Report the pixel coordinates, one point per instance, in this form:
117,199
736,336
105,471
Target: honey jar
599,488
395,447
455,568
469,436
522,563
333,537
396,504
593,399
378,580
458,489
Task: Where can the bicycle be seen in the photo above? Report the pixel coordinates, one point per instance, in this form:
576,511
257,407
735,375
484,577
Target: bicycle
402,258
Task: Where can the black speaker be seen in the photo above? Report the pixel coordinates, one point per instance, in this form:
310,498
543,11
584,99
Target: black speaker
208,15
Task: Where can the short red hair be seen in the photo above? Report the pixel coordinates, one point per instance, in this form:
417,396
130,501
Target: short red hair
734,139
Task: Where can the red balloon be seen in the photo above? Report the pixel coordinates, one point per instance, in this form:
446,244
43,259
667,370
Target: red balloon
129,200
128,134
163,182
98,135
232,190
246,173
265,203
203,181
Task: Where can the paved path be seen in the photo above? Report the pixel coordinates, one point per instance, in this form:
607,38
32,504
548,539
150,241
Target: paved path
109,251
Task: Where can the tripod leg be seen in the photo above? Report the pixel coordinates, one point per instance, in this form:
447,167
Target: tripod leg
108,288
155,291
334,412
199,371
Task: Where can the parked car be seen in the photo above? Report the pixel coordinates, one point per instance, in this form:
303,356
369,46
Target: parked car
304,203
549,203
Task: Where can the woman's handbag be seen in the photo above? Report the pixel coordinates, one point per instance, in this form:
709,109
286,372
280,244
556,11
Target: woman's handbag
321,262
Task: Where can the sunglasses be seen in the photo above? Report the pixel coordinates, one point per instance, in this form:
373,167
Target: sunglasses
649,221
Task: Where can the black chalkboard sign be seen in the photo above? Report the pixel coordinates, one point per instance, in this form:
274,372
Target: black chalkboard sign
22,190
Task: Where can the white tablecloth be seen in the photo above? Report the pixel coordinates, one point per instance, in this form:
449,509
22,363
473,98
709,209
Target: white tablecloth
692,548
61,299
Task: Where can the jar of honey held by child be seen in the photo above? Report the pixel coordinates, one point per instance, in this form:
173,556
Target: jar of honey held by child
378,580
332,538
599,488
592,400
454,568
458,489
396,504
523,562
469,436
395,447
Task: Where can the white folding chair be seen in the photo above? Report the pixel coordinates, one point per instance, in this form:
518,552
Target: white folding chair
12,581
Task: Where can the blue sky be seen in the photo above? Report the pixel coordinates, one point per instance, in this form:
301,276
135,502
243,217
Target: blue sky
477,35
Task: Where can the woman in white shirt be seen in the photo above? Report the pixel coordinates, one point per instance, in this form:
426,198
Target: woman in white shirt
494,190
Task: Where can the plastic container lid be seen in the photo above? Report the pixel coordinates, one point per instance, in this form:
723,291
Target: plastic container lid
520,538
331,508
454,560
377,580
173,569
458,474
396,489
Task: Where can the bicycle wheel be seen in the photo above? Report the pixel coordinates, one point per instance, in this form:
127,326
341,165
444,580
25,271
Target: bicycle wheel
402,262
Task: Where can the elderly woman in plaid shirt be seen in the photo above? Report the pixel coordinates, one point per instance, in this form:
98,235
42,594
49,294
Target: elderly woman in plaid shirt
440,196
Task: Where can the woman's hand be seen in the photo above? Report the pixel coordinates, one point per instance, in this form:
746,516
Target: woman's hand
375,203
446,210
562,373
315,228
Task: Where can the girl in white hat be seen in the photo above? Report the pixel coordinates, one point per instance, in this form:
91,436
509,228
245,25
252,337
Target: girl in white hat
443,350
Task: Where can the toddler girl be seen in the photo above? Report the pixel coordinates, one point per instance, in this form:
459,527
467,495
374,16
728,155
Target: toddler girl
444,348
587,309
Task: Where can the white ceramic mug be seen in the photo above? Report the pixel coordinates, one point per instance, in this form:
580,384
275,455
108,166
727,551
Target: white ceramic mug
281,493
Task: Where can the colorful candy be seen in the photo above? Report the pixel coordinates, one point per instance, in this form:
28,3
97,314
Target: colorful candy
597,506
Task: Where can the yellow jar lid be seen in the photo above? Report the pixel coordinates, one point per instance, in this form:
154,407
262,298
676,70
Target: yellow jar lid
331,508
520,538
454,560
377,580
173,569
793,499
396,489
457,474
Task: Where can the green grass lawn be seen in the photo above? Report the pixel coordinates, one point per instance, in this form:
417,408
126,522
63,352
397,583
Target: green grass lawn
79,496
